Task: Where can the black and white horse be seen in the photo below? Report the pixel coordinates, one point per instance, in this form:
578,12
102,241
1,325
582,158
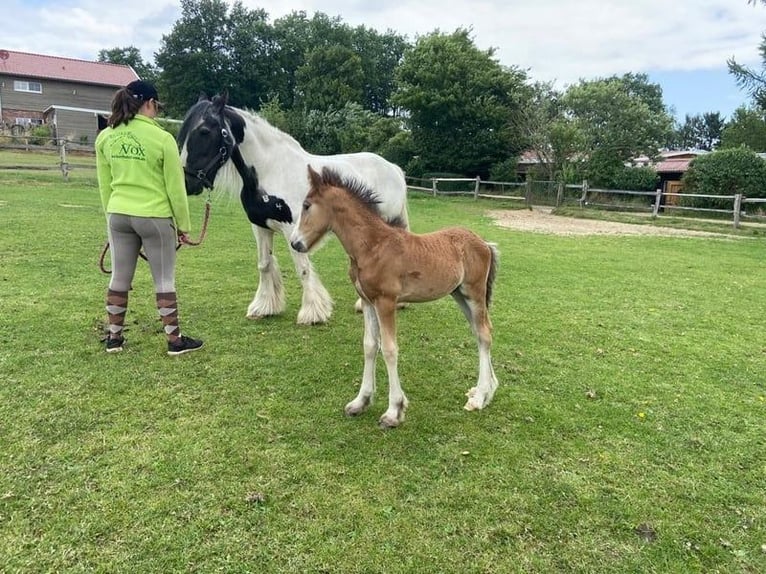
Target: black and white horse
238,152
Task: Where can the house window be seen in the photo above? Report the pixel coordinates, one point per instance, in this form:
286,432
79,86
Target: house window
34,87
28,122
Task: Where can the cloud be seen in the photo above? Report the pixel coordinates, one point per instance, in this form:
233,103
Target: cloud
554,40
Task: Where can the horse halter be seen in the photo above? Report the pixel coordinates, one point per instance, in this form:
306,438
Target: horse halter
217,161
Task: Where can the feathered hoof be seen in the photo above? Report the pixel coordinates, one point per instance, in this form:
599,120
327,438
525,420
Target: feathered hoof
355,408
475,401
387,422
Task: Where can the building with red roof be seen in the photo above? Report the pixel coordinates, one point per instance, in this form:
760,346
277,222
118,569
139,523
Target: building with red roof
72,96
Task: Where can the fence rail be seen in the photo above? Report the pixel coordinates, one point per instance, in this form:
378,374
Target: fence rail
59,147
556,194
531,193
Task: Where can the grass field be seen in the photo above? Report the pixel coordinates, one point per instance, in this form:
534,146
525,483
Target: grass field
627,434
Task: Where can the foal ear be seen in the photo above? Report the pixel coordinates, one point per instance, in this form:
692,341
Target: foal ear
314,178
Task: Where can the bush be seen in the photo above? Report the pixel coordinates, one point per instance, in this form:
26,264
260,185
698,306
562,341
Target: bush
40,135
636,179
505,171
725,172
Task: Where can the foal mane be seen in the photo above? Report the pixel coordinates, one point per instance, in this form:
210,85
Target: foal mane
355,188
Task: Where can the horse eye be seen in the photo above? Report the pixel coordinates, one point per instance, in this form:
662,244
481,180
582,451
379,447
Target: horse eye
204,131
306,205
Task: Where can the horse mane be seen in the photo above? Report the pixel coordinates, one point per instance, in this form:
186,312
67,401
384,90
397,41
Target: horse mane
355,188
263,124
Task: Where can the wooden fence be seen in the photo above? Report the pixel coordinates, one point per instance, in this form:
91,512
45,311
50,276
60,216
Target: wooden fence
530,193
61,149
557,194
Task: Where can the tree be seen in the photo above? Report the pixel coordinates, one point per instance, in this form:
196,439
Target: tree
462,107
620,118
213,48
331,77
553,137
130,56
380,55
297,37
746,128
700,131
312,62
750,80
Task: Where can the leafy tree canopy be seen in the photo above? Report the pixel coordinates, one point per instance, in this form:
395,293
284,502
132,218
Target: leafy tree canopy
130,56
700,131
463,107
746,128
620,117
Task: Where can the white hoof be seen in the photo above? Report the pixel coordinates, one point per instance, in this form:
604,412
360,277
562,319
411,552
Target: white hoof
311,316
389,422
476,401
356,407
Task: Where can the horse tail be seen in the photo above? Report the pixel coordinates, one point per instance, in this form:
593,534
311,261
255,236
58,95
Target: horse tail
493,262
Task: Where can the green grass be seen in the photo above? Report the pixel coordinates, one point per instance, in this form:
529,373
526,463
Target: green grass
627,434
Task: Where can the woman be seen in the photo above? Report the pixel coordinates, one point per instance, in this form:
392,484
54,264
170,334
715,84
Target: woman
141,183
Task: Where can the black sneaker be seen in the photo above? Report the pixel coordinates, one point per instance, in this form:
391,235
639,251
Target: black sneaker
183,345
114,345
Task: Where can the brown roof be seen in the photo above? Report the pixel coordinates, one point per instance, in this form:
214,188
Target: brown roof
68,69
673,165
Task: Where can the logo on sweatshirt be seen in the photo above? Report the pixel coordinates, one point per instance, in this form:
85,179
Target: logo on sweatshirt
127,146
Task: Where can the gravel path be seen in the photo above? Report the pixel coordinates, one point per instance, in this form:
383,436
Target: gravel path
542,221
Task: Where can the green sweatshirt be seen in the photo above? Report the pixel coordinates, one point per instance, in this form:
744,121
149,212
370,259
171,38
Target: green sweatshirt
139,172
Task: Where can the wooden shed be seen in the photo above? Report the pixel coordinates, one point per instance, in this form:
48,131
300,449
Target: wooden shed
69,94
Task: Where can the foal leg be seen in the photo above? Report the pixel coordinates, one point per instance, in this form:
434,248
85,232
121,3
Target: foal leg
478,317
397,402
371,347
270,296
316,303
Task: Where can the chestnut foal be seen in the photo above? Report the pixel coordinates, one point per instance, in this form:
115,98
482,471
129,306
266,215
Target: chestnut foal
390,265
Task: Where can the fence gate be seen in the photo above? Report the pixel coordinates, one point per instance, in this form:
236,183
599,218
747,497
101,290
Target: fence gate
673,187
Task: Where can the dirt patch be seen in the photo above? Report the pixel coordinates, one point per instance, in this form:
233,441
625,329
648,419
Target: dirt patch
542,221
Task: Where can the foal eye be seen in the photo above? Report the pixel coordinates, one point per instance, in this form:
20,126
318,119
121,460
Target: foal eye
306,205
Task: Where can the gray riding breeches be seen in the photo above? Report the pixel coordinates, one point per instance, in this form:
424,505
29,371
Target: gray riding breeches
158,237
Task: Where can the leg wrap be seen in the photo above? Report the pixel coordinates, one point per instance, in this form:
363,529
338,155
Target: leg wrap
167,306
116,307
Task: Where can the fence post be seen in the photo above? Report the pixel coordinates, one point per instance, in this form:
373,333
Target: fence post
62,161
476,187
584,192
657,202
433,185
528,193
737,209
559,193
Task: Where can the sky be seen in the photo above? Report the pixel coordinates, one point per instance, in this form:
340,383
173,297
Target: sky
682,45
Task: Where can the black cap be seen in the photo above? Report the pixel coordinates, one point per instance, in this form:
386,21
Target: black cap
144,91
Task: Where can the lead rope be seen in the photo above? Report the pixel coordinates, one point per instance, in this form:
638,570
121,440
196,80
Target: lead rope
181,242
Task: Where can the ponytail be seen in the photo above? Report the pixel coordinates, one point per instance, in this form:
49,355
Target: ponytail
124,107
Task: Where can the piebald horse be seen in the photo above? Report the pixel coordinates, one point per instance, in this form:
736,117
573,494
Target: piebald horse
240,153
390,265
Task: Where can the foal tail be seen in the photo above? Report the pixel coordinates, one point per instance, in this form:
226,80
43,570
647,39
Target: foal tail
493,262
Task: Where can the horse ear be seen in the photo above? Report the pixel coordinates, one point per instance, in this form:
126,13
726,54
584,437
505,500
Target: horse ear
219,103
314,178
